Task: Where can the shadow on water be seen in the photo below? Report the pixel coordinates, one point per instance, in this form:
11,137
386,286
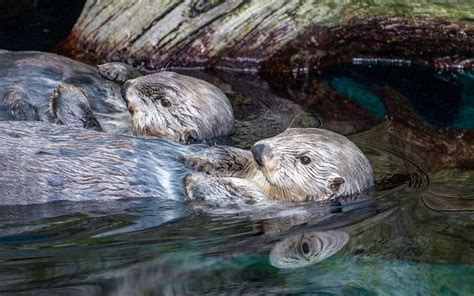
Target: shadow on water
413,234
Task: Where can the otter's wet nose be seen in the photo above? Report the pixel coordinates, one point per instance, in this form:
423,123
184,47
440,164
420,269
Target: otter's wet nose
260,152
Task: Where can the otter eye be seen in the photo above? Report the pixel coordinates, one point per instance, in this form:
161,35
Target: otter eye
305,160
305,248
165,103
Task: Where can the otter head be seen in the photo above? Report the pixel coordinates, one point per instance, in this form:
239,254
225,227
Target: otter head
309,164
177,107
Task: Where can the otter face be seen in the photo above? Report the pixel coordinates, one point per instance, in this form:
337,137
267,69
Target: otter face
177,107
310,164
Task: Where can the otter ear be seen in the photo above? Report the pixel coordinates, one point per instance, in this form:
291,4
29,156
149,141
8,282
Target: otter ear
190,136
335,184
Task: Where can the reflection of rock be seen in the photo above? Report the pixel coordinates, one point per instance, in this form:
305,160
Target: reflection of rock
436,147
445,193
338,112
415,232
273,34
266,114
403,129
307,248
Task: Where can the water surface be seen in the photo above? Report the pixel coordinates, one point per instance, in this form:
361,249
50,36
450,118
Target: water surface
414,234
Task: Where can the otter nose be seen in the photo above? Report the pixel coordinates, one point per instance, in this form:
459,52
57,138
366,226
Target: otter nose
124,90
260,152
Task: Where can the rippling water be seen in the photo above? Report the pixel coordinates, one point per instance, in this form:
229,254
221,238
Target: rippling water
414,234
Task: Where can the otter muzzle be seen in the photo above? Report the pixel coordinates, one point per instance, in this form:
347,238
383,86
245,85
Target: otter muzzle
260,153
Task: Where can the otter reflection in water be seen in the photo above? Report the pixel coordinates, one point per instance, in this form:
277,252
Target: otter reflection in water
44,162
307,248
52,88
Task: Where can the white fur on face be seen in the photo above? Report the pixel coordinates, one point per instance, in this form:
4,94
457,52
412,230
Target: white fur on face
195,107
332,156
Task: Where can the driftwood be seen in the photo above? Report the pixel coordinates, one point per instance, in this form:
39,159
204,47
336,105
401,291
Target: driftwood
270,34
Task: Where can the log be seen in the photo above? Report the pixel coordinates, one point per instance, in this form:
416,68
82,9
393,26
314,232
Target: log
281,34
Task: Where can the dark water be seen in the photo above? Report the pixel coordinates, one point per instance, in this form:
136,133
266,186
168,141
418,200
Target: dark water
413,235
36,24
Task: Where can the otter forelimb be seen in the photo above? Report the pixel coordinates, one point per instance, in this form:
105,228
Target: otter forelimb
222,190
221,161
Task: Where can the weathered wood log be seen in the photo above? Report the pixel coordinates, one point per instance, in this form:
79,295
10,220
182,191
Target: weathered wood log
248,33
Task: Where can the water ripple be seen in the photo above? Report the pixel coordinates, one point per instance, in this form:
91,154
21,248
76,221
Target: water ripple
307,248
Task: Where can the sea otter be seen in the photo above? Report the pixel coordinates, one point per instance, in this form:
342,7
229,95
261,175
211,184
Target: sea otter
43,162
298,165
52,88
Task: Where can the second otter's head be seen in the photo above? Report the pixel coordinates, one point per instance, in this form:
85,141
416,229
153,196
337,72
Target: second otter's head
177,107
310,164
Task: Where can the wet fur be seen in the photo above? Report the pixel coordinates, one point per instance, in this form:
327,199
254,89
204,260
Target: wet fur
198,110
37,75
42,162
283,177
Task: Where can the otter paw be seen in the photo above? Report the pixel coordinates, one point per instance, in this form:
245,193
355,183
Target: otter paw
201,163
118,72
70,106
222,190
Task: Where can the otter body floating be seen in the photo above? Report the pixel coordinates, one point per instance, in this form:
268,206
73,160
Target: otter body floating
42,162
52,88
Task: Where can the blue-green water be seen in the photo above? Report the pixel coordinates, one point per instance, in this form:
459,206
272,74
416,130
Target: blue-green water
443,98
359,94
413,235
